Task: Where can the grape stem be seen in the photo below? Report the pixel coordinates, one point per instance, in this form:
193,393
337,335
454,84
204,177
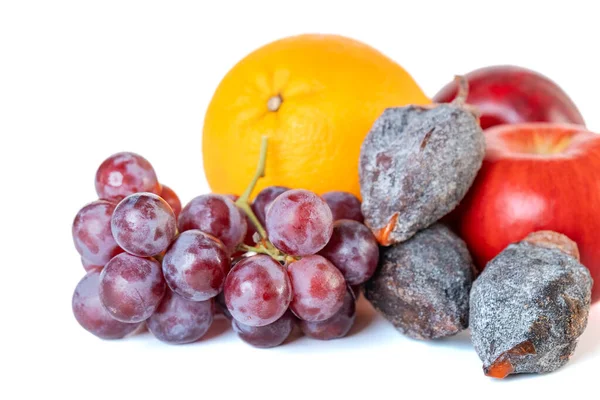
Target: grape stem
264,246
263,250
242,202
260,170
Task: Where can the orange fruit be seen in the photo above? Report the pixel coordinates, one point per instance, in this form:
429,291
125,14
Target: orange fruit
315,97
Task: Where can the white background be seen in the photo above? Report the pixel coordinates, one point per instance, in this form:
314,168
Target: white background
81,80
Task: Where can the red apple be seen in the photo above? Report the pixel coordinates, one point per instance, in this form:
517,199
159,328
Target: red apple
535,176
511,95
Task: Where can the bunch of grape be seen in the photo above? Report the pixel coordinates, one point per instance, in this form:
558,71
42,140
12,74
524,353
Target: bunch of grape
289,258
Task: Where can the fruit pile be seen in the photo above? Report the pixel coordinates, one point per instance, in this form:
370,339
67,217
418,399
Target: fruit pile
530,304
467,217
289,258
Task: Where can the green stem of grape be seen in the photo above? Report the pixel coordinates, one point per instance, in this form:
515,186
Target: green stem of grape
260,170
248,210
263,250
243,204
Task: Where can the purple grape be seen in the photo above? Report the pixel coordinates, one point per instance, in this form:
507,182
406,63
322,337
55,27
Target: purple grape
195,265
88,266
172,199
344,205
216,215
91,314
143,224
266,336
299,223
92,234
334,327
353,250
123,174
131,287
257,290
318,288
179,321
264,199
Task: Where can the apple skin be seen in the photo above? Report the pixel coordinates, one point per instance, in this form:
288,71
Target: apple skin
506,94
535,176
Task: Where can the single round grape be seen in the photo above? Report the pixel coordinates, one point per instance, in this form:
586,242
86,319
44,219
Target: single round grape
179,321
221,306
92,234
266,336
353,250
123,174
195,265
88,266
334,327
299,222
257,290
143,224
264,199
318,287
131,287
216,215
344,205
172,199
91,314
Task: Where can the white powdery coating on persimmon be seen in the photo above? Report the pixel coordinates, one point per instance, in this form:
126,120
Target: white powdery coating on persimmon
530,294
143,224
299,222
416,164
318,287
92,234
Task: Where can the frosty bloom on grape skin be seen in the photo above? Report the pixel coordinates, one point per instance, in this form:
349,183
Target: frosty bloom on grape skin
131,287
123,174
299,222
257,291
91,314
353,250
343,205
195,265
216,215
180,321
266,336
336,326
318,288
92,233
143,224
263,200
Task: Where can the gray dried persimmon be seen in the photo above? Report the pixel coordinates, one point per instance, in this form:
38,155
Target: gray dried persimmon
415,166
